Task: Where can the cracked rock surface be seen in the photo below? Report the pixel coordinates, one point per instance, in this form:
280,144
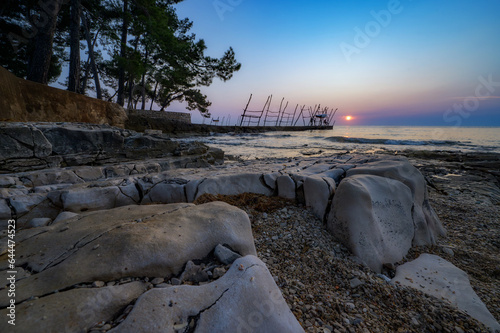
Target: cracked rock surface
36,146
245,299
132,241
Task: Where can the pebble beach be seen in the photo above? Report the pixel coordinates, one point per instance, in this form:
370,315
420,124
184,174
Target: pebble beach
329,291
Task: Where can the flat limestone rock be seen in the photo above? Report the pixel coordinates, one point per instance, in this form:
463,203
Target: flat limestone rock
75,310
36,146
130,241
441,279
245,299
371,216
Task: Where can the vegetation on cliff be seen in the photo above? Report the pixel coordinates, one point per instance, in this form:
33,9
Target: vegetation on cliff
138,52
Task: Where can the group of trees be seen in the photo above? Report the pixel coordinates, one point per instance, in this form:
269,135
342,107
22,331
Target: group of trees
135,52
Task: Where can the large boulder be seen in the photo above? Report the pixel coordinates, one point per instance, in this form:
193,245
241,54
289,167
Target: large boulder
441,279
427,225
130,241
372,216
245,299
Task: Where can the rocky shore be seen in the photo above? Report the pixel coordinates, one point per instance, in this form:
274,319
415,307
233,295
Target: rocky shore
125,232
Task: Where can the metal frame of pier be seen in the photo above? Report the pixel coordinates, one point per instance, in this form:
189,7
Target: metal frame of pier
315,116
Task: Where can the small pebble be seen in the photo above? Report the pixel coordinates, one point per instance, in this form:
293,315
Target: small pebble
175,281
98,284
156,281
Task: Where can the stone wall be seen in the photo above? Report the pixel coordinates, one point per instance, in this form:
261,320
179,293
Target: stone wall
23,101
178,116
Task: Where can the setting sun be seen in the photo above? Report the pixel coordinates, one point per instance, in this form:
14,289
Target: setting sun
348,118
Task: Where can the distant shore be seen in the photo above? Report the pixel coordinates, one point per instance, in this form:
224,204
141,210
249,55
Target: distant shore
181,129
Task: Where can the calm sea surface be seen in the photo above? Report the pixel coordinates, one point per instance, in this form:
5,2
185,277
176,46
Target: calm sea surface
357,139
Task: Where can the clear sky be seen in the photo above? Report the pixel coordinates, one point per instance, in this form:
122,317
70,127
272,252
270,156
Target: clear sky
408,62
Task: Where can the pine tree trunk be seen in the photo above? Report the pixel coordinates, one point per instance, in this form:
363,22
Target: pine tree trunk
74,56
39,63
123,48
143,83
90,46
154,96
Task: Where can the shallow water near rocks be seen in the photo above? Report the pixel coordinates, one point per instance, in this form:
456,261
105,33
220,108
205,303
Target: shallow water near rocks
356,139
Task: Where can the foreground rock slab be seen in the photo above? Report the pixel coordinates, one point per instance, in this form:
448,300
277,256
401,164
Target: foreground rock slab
130,241
440,278
245,299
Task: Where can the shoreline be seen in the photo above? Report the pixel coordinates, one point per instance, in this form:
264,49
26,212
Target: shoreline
324,285
179,129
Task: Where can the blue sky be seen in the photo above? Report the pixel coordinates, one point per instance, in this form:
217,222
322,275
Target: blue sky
408,62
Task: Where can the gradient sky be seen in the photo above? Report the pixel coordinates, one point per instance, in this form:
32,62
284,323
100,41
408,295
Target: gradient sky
419,63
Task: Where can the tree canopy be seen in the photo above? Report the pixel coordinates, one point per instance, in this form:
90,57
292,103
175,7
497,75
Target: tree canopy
134,52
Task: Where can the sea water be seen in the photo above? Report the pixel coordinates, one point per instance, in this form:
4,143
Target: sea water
356,139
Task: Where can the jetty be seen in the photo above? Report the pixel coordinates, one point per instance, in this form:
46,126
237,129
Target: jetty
316,117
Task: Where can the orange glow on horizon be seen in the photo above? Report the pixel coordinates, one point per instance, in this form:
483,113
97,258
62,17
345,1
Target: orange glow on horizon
348,117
